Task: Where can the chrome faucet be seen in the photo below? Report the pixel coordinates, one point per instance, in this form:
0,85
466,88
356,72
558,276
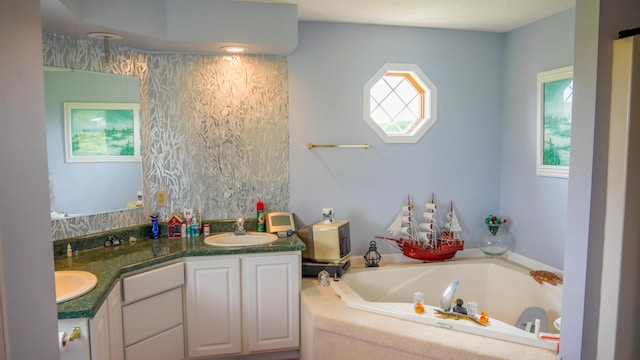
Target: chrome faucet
240,230
449,294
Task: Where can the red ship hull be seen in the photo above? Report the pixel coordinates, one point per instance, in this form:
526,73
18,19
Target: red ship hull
421,251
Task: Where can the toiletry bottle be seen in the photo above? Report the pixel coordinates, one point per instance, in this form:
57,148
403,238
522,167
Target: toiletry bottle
260,212
195,229
155,229
188,220
69,251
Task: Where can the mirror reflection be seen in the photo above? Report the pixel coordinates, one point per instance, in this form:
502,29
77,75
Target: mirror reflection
88,188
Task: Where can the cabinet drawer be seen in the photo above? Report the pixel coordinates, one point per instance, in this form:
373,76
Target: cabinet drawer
152,316
152,282
168,345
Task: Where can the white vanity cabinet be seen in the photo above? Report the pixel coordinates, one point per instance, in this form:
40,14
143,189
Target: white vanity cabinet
101,336
78,349
152,314
271,307
214,306
105,328
114,304
99,332
242,304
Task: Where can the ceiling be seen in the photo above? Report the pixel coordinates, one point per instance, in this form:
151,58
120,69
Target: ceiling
476,15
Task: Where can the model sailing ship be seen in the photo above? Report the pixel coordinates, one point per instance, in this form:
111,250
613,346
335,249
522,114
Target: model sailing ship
426,241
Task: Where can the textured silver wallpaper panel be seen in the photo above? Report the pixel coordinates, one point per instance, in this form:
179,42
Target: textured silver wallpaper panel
218,135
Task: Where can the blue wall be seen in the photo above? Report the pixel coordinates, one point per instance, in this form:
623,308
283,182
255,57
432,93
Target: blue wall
538,205
458,159
480,153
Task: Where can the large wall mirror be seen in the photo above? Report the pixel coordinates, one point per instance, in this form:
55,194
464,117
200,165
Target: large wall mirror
87,188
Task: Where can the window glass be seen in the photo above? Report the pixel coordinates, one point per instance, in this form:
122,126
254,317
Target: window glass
399,103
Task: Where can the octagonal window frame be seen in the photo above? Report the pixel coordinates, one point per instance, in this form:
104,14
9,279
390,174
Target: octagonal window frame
428,107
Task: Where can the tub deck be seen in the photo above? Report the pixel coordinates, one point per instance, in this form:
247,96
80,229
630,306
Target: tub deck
333,330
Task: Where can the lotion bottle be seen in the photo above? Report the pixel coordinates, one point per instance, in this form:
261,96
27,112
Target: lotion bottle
69,251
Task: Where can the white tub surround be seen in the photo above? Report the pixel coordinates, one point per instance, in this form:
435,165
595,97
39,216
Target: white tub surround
333,329
501,288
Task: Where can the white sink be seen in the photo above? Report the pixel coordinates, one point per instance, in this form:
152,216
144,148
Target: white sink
70,284
232,240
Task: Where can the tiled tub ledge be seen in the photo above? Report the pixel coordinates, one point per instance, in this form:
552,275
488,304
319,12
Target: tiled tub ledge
332,330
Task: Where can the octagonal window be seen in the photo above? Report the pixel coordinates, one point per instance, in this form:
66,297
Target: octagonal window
399,103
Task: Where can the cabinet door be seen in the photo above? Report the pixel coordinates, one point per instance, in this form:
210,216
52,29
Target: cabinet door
99,332
213,307
271,289
106,329
114,303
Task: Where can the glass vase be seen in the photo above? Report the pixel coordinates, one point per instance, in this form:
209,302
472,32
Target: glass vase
496,240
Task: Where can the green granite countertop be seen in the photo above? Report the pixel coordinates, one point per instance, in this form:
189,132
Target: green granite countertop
109,263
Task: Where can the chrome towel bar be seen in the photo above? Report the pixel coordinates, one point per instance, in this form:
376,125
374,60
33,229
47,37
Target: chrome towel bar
364,146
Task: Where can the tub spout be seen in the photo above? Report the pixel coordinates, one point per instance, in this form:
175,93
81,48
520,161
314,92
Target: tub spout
447,297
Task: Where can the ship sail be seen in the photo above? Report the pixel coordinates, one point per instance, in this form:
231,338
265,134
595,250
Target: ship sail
452,226
403,223
396,225
429,225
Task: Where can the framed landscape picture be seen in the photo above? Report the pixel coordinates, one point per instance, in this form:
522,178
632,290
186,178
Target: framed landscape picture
555,99
102,132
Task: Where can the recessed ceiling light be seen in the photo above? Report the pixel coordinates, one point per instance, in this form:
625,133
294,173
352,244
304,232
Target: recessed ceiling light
233,49
104,36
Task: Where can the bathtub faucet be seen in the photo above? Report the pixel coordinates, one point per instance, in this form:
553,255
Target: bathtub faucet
447,297
240,230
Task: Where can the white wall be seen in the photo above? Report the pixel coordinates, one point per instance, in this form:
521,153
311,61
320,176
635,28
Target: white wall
458,159
28,295
538,204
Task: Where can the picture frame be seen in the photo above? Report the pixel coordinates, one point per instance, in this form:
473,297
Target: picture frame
102,132
555,99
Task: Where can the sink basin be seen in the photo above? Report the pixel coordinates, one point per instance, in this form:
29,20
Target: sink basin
70,284
232,240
